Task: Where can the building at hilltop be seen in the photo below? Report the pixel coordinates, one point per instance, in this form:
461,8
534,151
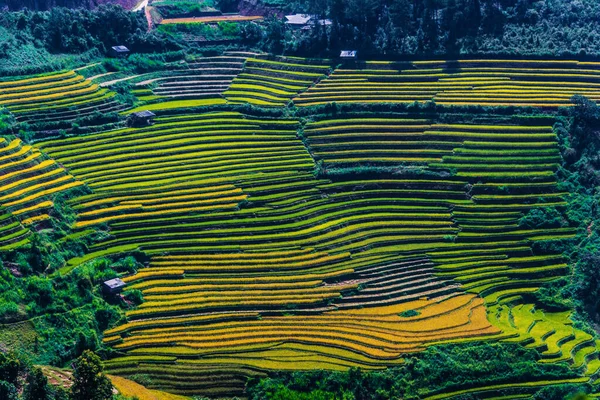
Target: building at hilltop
348,54
113,286
141,118
305,21
119,51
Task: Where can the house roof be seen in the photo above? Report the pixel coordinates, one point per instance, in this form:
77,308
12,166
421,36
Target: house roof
144,114
310,24
298,19
120,49
114,283
348,53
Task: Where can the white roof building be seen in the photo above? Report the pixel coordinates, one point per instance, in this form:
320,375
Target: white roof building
348,54
298,19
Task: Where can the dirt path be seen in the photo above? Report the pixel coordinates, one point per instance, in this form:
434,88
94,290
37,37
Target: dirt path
86,67
140,6
100,75
109,83
149,18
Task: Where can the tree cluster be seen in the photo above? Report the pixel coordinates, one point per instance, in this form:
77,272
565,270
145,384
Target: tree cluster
424,28
29,38
439,368
21,380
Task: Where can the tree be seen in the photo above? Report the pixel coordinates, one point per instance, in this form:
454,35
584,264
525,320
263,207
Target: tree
586,129
584,138
9,368
8,391
494,19
275,35
90,383
430,26
227,5
474,16
37,386
588,282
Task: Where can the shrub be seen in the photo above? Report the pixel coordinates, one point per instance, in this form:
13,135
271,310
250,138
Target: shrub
546,217
89,381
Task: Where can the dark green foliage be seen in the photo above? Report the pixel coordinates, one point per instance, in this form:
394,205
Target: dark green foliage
184,8
439,368
222,31
251,33
587,282
8,391
554,296
579,139
547,217
274,38
227,6
454,27
134,296
562,392
409,313
36,36
124,95
89,382
19,376
10,367
142,63
64,336
71,313
37,386
583,151
7,122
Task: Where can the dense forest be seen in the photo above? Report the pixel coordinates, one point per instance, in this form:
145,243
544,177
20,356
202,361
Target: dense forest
33,41
378,28
45,5
434,27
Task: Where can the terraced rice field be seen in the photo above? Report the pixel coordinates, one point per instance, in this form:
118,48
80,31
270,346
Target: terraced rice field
274,81
132,389
524,83
28,181
419,244
213,194
60,96
205,77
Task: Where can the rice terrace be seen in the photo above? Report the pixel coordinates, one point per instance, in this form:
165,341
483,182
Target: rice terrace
256,200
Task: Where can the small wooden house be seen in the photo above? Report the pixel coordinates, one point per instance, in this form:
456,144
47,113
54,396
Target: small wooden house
142,118
119,51
113,286
298,21
348,54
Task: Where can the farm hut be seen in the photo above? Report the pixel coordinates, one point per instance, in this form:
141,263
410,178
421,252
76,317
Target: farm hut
298,21
348,54
113,286
120,51
142,118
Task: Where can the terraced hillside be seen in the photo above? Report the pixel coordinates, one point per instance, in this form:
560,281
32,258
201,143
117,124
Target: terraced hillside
28,182
246,244
379,233
274,81
525,83
60,96
205,77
